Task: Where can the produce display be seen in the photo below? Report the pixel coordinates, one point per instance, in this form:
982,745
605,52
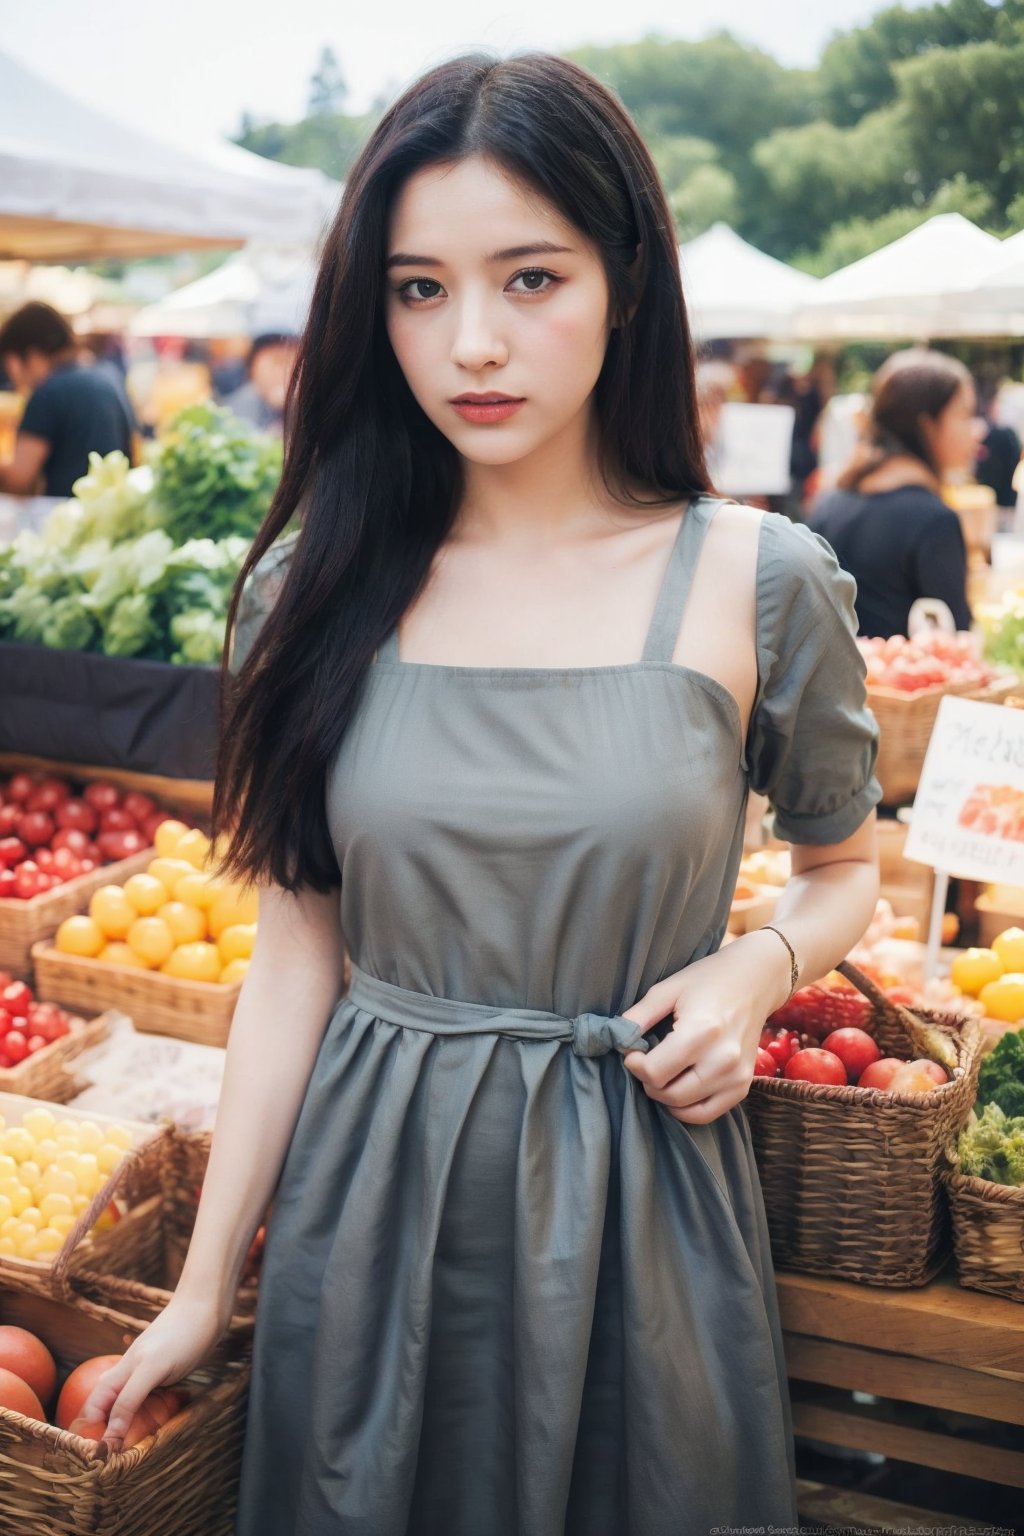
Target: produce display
27,1025
28,1385
821,1036
177,917
141,562
1002,626
931,660
994,976
52,831
50,1170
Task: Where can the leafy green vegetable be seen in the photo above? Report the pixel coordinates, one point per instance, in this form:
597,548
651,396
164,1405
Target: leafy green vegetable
991,1146
1001,1079
213,476
199,636
1002,625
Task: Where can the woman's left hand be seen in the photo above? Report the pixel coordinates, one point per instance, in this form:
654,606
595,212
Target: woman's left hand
719,1004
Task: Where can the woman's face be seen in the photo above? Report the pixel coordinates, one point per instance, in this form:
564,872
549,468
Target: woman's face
492,294
955,433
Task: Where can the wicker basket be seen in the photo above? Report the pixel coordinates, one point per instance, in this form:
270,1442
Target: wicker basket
135,1283
136,1180
24,923
200,1011
46,1073
181,1481
905,722
852,1177
988,1231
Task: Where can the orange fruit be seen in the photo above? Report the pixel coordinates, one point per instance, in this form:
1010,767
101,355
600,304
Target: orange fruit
167,836
78,1386
80,936
196,890
1009,946
17,1394
234,971
194,962
1004,999
195,847
146,893
974,969
237,942
187,923
235,904
117,952
29,1358
152,940
113,911
169,872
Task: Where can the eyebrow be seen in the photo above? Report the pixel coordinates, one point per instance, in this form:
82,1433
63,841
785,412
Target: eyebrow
512,253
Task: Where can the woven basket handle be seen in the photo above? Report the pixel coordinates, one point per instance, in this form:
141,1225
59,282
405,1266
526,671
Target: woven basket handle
925,1036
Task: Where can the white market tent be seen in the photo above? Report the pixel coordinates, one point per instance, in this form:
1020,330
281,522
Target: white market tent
261,288
734,290
75,184
905,291
991,298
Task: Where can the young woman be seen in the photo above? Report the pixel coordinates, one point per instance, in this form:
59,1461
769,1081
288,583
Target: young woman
887,521
498,703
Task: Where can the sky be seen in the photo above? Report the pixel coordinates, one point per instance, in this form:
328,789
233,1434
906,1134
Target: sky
186,71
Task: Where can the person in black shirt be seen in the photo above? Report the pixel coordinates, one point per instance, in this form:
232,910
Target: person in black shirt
999,452
887,522
72,410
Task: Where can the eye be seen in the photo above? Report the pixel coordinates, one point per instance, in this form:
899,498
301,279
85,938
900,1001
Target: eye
420,290
534,280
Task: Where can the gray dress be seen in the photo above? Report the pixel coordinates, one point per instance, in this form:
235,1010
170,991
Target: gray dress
505,1293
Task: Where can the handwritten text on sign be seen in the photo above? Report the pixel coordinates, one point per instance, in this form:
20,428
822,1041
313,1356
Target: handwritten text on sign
969,809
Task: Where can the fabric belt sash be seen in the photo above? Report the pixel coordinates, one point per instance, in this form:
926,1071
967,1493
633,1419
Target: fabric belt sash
589,1034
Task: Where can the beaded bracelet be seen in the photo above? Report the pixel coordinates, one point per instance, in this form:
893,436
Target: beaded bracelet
794,968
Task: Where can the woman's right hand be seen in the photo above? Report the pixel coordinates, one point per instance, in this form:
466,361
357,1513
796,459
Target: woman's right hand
165,1352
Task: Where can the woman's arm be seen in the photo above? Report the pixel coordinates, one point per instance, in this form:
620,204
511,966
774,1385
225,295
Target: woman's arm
292,987
720,1003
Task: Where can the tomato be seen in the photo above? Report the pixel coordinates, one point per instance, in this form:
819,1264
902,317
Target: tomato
16,1046
36,1043
855,1049
48,795
21,787
30,881
88,865
65,862
815,1066
10,815
44,858
764,1065
12,851
117,819
785,1044
139,807
16,998
120,845
6,1022
76,815
74,838
8,884
36,828
102,795
152,822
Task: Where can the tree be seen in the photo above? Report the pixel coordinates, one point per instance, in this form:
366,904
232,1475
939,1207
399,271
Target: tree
328,91
849,241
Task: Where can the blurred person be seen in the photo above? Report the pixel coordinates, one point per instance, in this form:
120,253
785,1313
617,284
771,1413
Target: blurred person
175,375
260,401
808,393
999,449
229,357
886,519
72,409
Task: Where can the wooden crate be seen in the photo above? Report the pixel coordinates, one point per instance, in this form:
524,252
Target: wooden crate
24,923
200,1011
905,722
180,1481
192,797
46,1074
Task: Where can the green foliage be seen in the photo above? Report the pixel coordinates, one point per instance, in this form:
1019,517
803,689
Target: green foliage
1001,1079
214,476
849,241
991,1146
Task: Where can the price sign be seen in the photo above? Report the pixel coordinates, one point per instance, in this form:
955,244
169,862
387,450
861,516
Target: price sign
969,809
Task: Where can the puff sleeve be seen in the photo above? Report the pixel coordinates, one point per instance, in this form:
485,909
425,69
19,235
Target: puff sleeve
258,597
813,741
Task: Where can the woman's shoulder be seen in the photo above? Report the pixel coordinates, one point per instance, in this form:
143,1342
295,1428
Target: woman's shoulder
260,593
799,579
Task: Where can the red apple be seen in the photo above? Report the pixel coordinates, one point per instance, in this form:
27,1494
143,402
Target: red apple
815,1066
879,1074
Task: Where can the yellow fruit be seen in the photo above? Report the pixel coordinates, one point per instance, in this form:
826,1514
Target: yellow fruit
117,952
168,835
48,1243
34,1215
974,969
152,940
194,962
237,904
6,1210
19,1143
113,911
195,847
108,1156
237,942
7,1247
59,1181
63,1224
120,1135
55,1205
169,872
234,971
197,890
30,1173
187,923
146,893
39,1123
1009,946
80,936
1004,999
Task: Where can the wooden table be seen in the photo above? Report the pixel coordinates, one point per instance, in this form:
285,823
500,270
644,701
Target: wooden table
940,1346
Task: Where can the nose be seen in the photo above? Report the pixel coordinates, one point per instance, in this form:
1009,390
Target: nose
478,342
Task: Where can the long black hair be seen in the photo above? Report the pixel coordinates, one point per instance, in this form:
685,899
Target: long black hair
375,485
911,385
